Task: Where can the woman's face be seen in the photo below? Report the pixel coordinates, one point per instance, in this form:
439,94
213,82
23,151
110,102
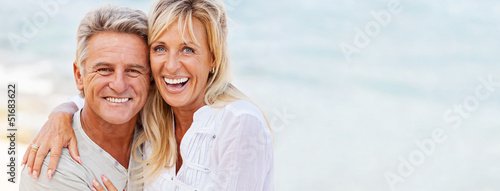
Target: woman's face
181,68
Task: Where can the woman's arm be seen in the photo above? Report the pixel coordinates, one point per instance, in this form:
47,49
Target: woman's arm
55,134
108,184
246,156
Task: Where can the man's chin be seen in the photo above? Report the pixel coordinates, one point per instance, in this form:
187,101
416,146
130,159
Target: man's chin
117,118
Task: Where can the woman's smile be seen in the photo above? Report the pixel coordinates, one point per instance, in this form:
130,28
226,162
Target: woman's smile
176,85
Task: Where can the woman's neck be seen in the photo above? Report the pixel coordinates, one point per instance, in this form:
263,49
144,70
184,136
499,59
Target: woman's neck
184,117
183,120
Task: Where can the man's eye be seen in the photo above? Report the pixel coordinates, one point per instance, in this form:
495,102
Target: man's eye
133,73
104,71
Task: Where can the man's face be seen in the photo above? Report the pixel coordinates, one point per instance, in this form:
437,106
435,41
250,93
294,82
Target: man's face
116,76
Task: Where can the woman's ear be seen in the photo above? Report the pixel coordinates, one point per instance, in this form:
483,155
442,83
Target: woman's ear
213,66
78,76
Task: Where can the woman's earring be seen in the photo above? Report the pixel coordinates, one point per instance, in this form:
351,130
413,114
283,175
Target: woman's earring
212,70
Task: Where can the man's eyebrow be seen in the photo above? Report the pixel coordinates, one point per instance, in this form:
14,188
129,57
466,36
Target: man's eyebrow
136,66
100,64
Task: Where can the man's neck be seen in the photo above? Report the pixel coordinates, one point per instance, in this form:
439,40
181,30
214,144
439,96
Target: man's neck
114,139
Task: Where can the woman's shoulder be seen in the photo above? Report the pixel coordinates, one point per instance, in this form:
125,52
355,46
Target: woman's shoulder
243,107
244,119
244,113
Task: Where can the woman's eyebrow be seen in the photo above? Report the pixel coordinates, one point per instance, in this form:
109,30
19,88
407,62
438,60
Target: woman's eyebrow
158,42
182,44
189,43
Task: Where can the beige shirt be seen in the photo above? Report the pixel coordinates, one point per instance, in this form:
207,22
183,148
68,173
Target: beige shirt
69,175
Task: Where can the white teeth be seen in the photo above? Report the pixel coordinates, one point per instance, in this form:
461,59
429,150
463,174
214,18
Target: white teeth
175,81
117,100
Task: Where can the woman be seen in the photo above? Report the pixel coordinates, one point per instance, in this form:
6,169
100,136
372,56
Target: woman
199,132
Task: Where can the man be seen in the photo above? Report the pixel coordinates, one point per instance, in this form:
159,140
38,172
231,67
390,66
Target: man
112,72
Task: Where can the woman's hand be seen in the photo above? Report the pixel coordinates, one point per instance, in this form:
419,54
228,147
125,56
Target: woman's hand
55,134
97,187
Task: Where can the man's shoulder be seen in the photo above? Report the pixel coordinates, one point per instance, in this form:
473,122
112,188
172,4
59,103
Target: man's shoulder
67,163
69,175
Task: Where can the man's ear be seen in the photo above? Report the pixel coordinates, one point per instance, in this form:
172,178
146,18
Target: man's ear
78,77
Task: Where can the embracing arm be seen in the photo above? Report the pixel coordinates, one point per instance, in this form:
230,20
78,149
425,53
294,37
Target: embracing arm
69,176
246,156
55,134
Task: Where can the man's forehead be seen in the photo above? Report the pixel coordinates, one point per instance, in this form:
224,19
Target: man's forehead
116,41
117,48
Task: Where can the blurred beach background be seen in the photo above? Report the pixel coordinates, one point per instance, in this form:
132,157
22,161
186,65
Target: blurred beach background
340,122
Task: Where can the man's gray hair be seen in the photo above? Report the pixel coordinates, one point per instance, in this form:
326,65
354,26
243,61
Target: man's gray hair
108,18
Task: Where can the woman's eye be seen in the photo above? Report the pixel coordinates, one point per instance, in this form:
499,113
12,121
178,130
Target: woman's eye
188,50
159,49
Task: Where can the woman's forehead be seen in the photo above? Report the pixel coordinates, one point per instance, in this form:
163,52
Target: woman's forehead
188,31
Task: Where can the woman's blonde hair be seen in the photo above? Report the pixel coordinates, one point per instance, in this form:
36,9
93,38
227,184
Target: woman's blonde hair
157,116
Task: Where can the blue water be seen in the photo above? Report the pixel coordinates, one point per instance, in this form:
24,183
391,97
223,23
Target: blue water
339,125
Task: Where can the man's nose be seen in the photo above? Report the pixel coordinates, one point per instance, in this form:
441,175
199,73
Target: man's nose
119,84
